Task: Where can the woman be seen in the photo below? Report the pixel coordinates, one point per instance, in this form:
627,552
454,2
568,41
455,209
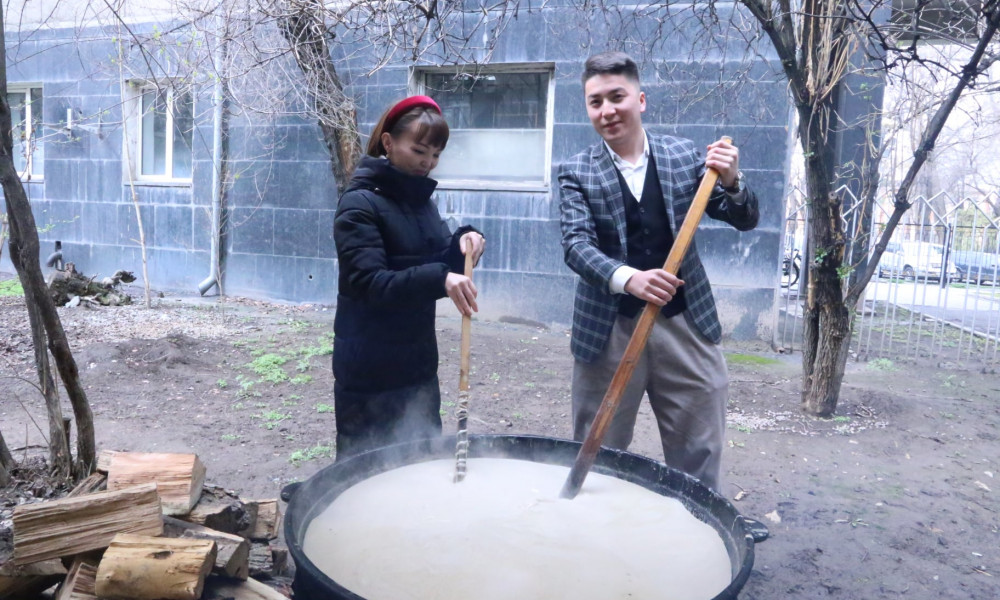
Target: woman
397,258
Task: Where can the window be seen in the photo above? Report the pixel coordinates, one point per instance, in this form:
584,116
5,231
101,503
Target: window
161,131
26,120
500,122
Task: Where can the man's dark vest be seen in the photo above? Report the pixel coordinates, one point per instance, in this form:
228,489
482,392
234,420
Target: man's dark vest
649,238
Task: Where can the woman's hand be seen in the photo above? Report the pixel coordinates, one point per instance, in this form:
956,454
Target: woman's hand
478,243
462,292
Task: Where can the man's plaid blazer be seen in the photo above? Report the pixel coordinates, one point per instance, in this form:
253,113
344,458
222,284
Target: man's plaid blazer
594,235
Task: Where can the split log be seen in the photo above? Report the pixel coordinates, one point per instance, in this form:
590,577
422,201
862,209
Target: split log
29,581
222,589
71,526
232,558
95,482
139,567
261,561
221,510
178,477
268,519
268,560
279,556
104,460
79,584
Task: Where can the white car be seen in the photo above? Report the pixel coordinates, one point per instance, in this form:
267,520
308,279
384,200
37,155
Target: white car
911,260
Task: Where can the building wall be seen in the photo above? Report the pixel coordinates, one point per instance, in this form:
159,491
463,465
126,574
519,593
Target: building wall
278,242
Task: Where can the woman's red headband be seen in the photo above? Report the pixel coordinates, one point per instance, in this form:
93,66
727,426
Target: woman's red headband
406,105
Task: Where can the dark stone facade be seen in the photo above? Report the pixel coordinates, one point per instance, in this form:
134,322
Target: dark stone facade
278,224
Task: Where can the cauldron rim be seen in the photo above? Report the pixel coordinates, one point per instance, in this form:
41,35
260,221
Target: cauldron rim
738,533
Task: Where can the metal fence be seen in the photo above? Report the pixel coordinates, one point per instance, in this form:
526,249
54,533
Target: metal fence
935,293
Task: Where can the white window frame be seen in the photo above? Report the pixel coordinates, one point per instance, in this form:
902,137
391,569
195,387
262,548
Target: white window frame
28,173
418,86
133,133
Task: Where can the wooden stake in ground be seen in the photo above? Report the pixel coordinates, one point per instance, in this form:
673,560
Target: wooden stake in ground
71,526
139,567
588,452
178,477
462,438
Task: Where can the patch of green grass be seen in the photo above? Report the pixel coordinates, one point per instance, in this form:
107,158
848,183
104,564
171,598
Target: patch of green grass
222,383
323,349
951,381
271,418
269,367
318,451
324,408
302,379
841,419
11,287
751,359
881,364
230,437
296,324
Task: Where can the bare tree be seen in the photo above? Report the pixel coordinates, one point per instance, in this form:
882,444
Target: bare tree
46,328
815,43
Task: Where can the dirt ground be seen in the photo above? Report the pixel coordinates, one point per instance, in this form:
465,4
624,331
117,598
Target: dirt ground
895,497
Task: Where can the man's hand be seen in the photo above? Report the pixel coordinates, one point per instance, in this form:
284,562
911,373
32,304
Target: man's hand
724,158
655,285
462,292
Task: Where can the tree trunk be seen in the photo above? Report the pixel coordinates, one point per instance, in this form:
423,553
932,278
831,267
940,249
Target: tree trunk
24,249
826,326
6,462
309,38
60,460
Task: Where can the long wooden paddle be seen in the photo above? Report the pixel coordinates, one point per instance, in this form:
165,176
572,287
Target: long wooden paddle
588,452
462,438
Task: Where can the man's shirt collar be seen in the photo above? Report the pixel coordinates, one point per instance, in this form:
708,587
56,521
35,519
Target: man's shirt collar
621,162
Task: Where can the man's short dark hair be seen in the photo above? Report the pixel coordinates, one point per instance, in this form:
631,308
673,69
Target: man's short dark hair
610,63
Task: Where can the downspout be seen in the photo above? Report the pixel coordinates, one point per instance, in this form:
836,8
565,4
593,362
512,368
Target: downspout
218,162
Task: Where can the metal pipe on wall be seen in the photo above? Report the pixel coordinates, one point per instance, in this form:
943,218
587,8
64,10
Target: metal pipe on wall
218,160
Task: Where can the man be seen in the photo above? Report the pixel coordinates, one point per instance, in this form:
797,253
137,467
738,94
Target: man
622,202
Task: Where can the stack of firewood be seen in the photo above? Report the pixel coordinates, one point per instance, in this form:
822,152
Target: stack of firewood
145,526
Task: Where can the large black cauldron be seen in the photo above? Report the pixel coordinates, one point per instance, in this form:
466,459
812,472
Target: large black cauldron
309,498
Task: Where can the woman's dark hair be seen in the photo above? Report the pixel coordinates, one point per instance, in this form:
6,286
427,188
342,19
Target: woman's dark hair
610,63
431,128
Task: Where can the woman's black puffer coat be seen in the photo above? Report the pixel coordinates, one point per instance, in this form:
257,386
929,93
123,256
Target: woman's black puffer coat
395,252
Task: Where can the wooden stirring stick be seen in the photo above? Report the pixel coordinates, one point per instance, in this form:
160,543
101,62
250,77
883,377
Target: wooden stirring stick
462,438
588,452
